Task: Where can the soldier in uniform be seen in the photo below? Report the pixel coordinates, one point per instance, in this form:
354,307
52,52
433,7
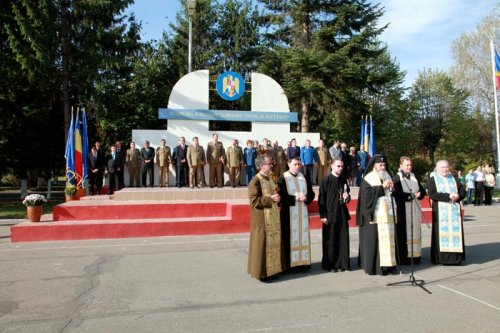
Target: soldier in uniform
266,148
280,160
133,162
163,160
196,160
234,158
324,161
215,159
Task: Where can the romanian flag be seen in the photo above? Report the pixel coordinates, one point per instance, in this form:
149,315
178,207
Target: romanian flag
497,69
85,145
77,150
371,149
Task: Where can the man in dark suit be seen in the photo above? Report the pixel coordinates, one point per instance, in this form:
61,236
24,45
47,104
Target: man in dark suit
121,164
179,157
95,165
112,164
148,158
101,157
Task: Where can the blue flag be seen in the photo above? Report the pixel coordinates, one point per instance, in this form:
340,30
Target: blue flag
70,153
362,140
371,149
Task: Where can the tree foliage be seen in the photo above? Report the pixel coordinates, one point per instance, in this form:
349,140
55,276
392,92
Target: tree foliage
442,116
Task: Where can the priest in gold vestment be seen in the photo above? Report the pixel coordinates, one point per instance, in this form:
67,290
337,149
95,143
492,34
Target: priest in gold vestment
265,258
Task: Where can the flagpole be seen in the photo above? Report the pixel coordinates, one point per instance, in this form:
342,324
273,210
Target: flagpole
495,88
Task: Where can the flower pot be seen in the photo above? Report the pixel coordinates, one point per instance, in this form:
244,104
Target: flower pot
80,193
72,198
34,213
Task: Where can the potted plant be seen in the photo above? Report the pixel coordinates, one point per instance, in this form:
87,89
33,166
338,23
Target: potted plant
33,203
70,192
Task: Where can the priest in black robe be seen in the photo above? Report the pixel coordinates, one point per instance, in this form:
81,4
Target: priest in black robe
447,239
296,193
408,191
376,218
333,212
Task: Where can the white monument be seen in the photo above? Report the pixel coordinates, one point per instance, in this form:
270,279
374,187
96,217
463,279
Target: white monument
191,93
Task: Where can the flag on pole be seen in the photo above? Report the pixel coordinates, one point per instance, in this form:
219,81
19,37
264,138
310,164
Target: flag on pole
497,69
85,145
371,149
70,153
362,139
366,133
78,151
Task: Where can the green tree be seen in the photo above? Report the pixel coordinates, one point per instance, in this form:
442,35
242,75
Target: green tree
57,52
70,44
443,117
327,51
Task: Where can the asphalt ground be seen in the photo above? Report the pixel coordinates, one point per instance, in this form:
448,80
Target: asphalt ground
200,284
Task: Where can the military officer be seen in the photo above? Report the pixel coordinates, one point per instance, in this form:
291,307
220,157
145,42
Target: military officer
215,160
133,162
163,160
234,158
324,161
280,160
196,161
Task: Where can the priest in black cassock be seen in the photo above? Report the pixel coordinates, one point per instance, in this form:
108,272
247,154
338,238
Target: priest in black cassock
296,193
333,212
447,240
408,191
376,218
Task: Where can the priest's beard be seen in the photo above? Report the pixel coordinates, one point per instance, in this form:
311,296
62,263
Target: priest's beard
384,175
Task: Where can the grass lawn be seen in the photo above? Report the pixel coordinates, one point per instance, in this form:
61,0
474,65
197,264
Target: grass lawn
16,210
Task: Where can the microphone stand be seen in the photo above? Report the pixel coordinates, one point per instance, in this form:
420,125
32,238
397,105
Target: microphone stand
412,280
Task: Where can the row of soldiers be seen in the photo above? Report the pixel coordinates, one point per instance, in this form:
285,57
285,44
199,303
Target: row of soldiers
189,162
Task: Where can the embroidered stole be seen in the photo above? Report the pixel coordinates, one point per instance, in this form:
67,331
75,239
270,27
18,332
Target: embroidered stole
384,218
272,227
449,219
300,243
416,214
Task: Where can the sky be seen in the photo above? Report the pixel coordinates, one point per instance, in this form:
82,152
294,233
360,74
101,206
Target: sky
419,35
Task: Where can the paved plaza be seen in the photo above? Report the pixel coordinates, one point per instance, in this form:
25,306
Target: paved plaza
200,284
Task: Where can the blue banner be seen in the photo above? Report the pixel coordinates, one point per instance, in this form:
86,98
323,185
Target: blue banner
228,115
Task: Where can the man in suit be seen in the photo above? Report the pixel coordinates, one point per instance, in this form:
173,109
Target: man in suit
196,160
120,153
101,157
112,165
148,157
133,161
179,157
215,160
95,166
163,160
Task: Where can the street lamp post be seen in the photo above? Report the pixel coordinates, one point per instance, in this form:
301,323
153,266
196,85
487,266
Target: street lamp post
191,7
